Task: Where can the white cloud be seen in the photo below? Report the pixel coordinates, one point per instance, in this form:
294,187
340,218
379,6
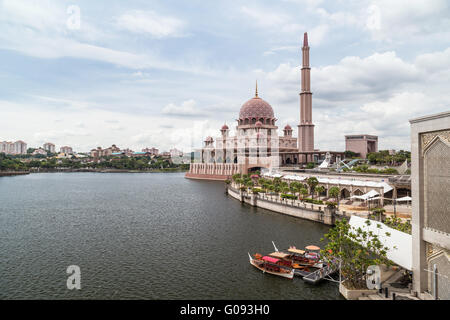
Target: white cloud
270,20
38,29
149,22
353,76
402,19
187,108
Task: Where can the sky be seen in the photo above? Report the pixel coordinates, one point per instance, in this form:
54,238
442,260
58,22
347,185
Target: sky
169,73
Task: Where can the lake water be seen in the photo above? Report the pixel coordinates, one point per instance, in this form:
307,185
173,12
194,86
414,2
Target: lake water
142,236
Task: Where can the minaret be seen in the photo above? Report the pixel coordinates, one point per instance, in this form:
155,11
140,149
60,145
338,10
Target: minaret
306,127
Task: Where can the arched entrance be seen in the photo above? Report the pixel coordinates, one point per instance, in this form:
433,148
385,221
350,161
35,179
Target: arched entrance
345,194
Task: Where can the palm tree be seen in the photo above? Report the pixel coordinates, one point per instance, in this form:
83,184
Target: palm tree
276,181
334,192
319,190
303,192
286,189
312,183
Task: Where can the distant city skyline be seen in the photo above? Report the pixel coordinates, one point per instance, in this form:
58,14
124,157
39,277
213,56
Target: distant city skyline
165,74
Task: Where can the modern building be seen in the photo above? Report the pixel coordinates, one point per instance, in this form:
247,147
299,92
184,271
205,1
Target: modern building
6,147
50,147
18,147
152,151
176,153
66,150
39,151
361,144
99,152
256,144
430,175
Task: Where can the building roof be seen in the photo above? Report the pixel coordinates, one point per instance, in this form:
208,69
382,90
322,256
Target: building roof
431,117
357,183
270,259
256,108
296,251
277,254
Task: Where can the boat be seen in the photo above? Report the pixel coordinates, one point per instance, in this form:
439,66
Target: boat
271,265
305,263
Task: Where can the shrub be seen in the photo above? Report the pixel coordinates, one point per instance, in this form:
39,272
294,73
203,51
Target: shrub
331,204
396,223
310,165
288,196
256,190
313,201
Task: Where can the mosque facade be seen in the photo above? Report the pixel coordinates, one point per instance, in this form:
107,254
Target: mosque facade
257,144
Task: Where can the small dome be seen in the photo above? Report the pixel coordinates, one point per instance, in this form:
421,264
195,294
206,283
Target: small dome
224,127
209,139
287,127
258,124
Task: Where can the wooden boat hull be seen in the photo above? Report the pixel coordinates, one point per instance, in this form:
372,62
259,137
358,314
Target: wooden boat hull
289,275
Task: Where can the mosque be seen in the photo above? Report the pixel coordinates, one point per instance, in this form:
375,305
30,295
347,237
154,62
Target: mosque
257,144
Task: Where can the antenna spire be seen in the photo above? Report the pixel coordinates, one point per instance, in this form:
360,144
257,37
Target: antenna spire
256,91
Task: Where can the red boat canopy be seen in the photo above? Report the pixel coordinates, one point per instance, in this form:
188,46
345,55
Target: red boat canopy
270,259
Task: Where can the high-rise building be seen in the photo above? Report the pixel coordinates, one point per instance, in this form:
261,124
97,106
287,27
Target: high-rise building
66,150
18,147
50,147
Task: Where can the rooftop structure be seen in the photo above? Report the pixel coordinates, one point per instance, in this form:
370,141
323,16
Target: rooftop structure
361,144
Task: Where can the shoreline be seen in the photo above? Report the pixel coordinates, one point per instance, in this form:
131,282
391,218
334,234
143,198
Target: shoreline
14,173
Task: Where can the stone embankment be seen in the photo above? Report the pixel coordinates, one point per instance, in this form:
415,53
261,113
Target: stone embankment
293,208
12,173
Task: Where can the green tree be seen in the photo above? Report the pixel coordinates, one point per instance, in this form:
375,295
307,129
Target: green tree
334,193
398,224
303,192
354,250
312,183
320,190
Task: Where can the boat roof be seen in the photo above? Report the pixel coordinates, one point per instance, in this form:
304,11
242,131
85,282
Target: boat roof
296,251
278,254
270,259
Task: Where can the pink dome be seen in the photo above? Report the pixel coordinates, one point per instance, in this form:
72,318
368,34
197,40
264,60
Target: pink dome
225,127
258,124
256,108
288,127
